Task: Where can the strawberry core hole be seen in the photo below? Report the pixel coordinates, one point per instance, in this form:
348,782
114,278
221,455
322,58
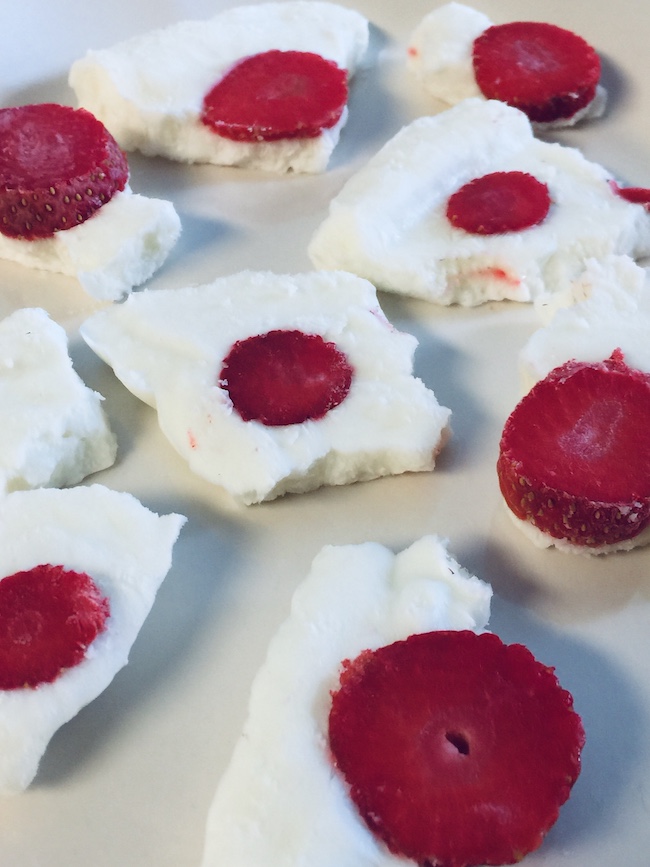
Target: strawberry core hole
459,741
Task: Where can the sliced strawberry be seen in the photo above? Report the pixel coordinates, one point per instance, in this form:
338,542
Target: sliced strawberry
58,165
636,195
499,202
547,72
285,377
277,95
49,616
575,453
458,750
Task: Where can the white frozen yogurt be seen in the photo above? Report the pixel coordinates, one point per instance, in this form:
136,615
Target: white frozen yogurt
120,246
126,550
608,308
54,431
149,90
168,348
280,800
389,225
439,55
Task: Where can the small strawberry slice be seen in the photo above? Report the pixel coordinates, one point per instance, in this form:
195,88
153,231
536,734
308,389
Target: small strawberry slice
277,95
458,749
499,202
49,616
547,72
58,165
636,195
575,453
285,377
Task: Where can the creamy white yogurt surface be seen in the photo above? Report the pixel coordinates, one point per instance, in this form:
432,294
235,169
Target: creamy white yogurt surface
54,431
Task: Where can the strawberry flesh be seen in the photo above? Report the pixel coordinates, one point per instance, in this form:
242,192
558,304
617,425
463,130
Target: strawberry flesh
458,749
58,165
285,377
277,95
575,453
499,202
636,195
49,616
547,72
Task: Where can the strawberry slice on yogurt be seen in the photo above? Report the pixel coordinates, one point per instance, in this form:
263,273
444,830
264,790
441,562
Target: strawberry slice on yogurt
574,458
54,431
458,749
548,72
281,800
272,383
66,206
467,206
262,86
79,572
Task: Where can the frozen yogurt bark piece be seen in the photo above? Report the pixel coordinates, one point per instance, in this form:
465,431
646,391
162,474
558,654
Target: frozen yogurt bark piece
439,745
548,72
66,205
150,91
54,431
268,383
279,801
84,564
409,220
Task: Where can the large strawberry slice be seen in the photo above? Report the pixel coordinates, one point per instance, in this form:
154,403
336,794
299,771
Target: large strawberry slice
58,165
458,750
285,377
499,202
48,618
277,95
546,71
574,457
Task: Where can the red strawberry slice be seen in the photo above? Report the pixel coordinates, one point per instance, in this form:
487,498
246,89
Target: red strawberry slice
49,616
636,195
58,165
285,377
458,749
575,453
499,202
277,95
547,72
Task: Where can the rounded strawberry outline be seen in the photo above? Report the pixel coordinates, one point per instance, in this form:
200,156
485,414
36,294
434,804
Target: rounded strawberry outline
499,202
49,616
58,166
285,377
457,749
574,456
276,95
546,71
